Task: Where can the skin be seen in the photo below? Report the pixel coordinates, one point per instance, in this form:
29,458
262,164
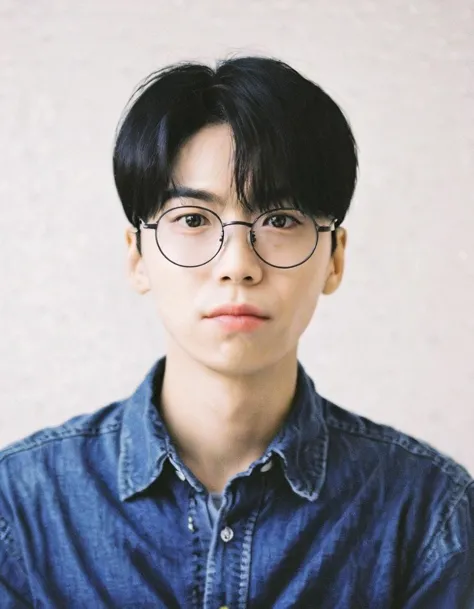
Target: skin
225,394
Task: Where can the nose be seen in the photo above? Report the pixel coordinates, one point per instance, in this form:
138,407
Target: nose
237,262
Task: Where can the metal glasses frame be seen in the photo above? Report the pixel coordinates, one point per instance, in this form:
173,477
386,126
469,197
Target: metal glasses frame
319,229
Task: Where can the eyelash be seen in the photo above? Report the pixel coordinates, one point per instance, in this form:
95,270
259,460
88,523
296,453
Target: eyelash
276,215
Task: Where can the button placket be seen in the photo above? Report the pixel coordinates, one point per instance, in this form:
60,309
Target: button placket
191,522
227,534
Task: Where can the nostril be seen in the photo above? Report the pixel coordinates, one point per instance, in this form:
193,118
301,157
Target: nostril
246,279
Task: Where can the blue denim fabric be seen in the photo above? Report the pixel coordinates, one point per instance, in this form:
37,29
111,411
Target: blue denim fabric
345,514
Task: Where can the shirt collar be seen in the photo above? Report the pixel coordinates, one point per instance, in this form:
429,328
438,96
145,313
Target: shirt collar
143,437
302,442
145,445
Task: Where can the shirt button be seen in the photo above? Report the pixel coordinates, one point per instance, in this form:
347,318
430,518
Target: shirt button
227,534
267,466
180,475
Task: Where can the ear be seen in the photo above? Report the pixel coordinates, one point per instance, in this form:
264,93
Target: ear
136,269
336,264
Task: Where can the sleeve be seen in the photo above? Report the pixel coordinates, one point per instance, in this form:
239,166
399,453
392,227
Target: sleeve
14,588
445,577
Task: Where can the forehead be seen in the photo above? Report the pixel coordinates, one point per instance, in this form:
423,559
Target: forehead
206,160
205,166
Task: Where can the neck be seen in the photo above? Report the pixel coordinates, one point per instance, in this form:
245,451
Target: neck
219,423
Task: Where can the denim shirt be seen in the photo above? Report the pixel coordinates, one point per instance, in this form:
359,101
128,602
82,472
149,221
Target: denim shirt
338,513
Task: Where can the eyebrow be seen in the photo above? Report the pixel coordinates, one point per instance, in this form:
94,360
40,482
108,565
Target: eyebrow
184,192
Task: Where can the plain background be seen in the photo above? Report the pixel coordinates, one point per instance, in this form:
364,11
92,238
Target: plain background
396,343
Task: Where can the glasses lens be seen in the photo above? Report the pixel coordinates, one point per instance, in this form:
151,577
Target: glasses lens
284,238
189,236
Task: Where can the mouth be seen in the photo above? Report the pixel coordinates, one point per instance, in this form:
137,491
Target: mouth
243,318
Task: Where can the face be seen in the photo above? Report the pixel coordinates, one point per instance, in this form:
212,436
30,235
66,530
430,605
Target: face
185,297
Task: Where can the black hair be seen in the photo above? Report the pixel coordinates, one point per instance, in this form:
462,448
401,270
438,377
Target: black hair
291,140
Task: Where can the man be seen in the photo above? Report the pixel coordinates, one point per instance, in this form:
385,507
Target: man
226,480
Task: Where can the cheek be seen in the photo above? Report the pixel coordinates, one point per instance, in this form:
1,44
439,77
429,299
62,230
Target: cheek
174,291
306,306
300,297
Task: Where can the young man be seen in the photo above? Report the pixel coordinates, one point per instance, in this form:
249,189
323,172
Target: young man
226,480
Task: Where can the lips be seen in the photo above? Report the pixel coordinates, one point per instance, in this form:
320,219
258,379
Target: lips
235,318
237,310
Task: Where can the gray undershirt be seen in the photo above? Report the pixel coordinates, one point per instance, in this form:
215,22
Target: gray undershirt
214,503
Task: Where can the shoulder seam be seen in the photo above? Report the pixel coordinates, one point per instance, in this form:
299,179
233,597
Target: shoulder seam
52,435
445,463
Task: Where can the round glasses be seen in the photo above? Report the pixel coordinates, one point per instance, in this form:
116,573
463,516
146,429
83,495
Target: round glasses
191,236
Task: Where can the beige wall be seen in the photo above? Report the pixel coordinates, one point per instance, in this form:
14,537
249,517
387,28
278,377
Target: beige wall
396,343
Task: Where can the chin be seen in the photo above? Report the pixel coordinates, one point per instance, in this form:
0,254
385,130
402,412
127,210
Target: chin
234,355
232,361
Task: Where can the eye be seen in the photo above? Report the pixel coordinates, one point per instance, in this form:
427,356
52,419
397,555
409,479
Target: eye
280,221
192,220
